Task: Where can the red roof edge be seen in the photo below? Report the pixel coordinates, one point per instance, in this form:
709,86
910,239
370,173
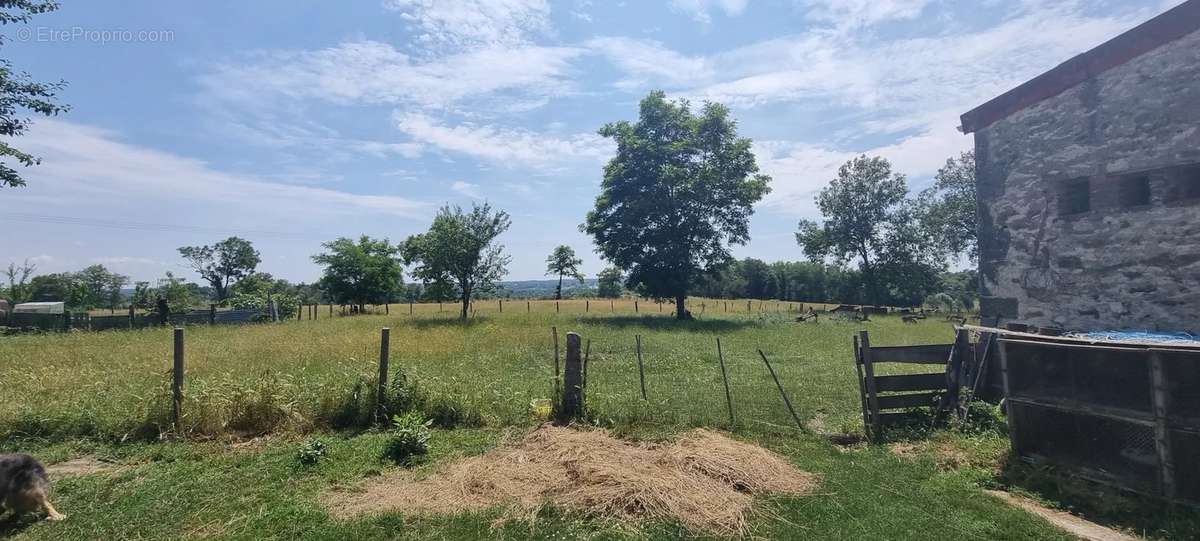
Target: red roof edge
1175,23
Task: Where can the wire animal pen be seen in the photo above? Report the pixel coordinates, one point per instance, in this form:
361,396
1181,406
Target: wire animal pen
1120,413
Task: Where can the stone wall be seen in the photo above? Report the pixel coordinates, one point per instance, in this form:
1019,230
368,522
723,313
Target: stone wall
1089,201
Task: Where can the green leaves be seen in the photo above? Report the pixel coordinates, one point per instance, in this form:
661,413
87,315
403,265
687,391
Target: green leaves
18,93
367,271
222,263
460,250
679,191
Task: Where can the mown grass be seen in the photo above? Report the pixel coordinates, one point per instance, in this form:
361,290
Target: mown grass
106,395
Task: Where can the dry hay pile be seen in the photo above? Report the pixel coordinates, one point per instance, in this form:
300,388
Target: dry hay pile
705,481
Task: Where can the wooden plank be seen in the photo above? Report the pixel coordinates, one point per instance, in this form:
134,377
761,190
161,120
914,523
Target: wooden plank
902,401
864,344
1042,338
1075,407
911,382
924,354
1162,436
862,389
890,419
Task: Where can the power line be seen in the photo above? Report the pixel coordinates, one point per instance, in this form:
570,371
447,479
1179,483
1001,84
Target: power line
141,226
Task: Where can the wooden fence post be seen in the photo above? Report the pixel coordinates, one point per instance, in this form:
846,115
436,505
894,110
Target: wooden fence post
587,352
410,308
387,308
587,306
864,345
571,406
786,402
501,301
635,306
725,378
556,309
132,313
177,380
385,338
641,368
212,314
554,332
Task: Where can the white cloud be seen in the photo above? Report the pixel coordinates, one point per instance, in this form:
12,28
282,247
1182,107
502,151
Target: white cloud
700,10
128,260
465,23
648,62
800,170
467,189
372,72
506,146
91,167
855,13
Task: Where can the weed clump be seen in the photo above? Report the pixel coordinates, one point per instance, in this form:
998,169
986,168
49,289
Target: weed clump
409,440
312,452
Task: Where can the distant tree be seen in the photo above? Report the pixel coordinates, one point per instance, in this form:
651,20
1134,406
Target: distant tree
222,263
179,294
759,280
100,287
609,283
562,262
357,273
18,281
950,207
681,189
19,94
857,207
460,250
58,287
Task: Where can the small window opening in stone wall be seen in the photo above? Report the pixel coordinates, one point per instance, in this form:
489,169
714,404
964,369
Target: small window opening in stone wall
1135,191
1076,197
1185,183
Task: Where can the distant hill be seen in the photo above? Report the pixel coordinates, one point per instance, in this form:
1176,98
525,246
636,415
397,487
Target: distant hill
542,288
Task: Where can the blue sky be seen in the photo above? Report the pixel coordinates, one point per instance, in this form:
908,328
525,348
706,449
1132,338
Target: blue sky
291,123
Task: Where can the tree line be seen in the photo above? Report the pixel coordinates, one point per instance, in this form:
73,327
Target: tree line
678,194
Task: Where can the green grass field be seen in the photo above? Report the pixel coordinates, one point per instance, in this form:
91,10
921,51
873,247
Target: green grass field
107,395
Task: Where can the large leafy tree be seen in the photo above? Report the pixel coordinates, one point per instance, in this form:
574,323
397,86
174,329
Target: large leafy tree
19,94
858,207
460,251
680,190
358,273
950,211
223,263
562,262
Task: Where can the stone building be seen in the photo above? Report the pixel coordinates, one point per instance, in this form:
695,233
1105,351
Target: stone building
1088,182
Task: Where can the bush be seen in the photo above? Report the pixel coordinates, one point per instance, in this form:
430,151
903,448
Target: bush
409,438
312,451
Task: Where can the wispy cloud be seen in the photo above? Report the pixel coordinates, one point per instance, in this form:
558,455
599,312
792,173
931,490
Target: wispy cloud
701,10
466,23
372,72
89,166
466,188
847,14
506,146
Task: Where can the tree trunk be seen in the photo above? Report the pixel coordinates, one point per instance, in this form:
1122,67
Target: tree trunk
558,292
681,312
466,303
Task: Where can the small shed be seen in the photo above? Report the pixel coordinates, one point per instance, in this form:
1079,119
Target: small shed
40,308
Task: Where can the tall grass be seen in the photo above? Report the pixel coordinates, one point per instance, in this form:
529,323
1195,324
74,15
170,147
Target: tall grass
305,375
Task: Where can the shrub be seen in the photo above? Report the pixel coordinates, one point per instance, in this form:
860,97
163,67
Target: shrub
312,451
409,438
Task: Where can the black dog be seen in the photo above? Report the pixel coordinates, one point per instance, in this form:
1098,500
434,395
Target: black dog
24,487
